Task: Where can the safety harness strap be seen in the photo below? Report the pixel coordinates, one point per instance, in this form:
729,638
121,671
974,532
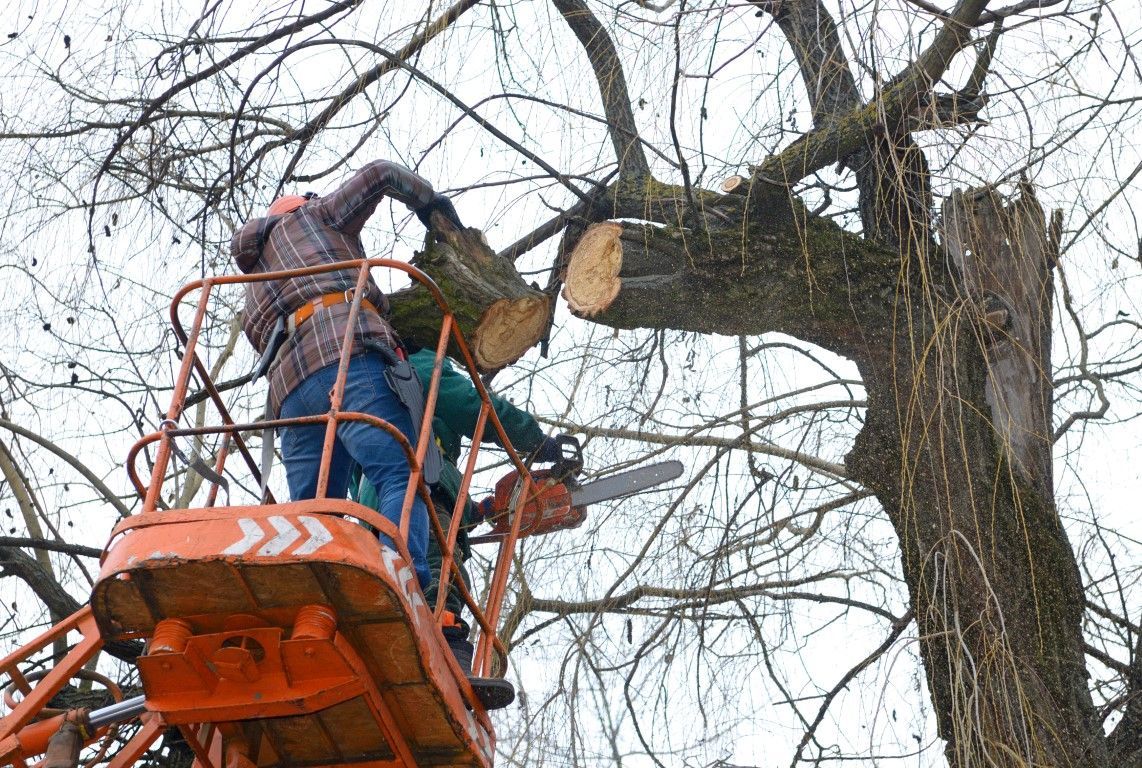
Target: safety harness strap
405,384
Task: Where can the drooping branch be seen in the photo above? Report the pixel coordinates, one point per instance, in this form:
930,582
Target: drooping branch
612,86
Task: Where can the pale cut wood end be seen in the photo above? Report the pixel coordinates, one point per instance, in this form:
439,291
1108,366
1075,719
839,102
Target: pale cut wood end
508,328
592,280
732,183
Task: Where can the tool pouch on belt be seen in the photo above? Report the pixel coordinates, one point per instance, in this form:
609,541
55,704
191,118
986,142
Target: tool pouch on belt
276,341
405,384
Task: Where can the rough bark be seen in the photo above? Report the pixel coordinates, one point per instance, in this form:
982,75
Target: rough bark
501,315
792,273
1005,256
991,574
988,567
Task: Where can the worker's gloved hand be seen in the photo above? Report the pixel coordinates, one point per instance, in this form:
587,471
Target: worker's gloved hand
484,508
549,451
441,203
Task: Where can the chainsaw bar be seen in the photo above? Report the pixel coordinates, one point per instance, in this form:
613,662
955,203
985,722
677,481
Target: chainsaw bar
625,483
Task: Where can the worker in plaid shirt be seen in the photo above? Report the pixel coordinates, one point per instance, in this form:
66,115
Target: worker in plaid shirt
304,231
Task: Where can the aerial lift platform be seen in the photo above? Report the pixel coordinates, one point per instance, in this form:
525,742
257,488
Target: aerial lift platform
274,634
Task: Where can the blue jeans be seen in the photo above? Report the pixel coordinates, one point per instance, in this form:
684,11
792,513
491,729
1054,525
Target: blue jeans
380,456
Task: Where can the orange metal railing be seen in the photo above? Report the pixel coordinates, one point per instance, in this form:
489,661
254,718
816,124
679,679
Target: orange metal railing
486,615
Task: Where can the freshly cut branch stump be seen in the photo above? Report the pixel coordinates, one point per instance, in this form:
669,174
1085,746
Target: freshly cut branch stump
729,280
732,183
592,281
500,315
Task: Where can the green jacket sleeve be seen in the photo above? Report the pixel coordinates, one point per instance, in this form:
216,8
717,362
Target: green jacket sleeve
458,408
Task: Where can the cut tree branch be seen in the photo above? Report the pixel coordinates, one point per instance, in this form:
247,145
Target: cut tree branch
803,276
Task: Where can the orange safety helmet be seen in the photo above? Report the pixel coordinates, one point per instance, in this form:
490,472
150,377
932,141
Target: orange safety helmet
288,203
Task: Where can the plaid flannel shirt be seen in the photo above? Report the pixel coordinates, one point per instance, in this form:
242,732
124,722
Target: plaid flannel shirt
323,231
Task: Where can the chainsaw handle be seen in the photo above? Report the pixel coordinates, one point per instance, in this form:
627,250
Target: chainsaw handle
570,462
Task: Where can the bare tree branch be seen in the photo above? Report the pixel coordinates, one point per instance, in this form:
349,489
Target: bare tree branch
612,86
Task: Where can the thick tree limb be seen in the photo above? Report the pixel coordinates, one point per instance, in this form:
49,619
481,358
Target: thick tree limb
812,35
891,172
810,280
501,316
13,562
612,86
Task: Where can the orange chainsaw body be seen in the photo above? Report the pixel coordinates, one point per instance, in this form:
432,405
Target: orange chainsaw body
547,508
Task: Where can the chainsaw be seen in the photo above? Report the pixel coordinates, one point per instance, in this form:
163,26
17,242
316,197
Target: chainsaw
555,500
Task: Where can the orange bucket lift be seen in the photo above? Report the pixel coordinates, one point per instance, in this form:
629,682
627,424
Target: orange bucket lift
274,634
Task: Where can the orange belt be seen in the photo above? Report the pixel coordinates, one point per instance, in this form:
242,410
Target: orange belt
323,302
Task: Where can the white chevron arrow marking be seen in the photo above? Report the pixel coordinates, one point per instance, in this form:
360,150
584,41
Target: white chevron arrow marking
287,535
252,533
319,535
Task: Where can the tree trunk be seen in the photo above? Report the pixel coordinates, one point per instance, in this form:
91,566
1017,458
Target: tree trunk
956,446
500,315
957,439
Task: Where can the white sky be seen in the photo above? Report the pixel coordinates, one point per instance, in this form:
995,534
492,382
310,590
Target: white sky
755,94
